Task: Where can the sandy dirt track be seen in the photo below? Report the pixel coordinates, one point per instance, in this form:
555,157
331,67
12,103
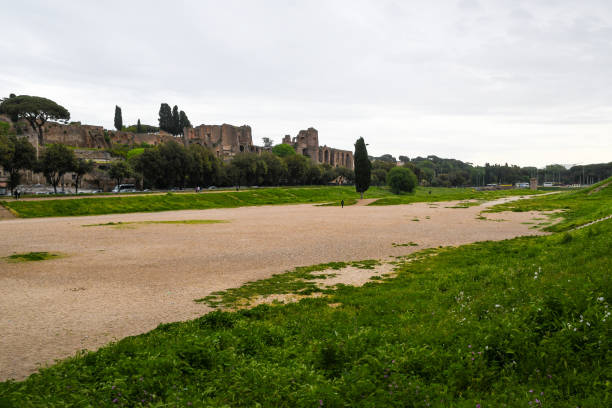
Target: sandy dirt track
116,282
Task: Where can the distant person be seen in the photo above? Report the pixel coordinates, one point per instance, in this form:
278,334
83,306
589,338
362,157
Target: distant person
342,203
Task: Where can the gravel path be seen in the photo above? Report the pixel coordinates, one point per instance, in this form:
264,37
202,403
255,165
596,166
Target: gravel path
115,282
5,214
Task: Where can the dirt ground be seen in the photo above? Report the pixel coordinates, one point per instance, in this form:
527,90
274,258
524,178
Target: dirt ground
116,282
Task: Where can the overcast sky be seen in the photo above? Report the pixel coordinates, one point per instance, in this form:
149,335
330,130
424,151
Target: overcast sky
523,82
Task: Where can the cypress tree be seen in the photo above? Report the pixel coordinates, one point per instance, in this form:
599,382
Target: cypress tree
165,118
183,121
118,118
138,127
363,167
176,121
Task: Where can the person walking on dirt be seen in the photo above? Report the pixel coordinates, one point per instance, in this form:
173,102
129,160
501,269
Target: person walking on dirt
342,203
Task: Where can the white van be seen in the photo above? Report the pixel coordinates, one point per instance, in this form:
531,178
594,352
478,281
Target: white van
124,188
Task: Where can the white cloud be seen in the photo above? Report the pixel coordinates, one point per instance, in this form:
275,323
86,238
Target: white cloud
525,82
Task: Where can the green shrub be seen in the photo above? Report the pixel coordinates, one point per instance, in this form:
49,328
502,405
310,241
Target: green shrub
5,128
401,179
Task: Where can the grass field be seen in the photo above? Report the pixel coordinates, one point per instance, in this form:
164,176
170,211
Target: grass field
268,196
521,322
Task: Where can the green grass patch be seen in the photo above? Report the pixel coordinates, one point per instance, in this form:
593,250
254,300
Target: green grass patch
395,244
135,223
466,204
577,207
298,281
232,199
32,256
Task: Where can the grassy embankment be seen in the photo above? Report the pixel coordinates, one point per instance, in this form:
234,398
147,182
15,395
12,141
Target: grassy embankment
268,196
576,207
433,194
521,322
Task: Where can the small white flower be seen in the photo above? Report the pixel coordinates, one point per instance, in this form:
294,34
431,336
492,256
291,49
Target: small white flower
601,299
497,305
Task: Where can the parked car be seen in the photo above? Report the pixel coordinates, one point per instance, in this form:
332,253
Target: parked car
212,188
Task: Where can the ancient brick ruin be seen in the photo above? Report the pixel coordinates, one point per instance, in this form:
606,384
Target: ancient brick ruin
227,140
94,143
307,143
224,140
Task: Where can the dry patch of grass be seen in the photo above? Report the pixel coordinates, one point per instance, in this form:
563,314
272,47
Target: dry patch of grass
132,224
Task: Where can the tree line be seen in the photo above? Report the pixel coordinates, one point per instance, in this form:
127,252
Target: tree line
429,171
18,154
173,165
440,172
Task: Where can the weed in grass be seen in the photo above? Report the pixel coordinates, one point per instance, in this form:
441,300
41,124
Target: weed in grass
32,256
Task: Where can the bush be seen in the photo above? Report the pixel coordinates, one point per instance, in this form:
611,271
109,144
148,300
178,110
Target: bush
135,152
5,128
401,179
